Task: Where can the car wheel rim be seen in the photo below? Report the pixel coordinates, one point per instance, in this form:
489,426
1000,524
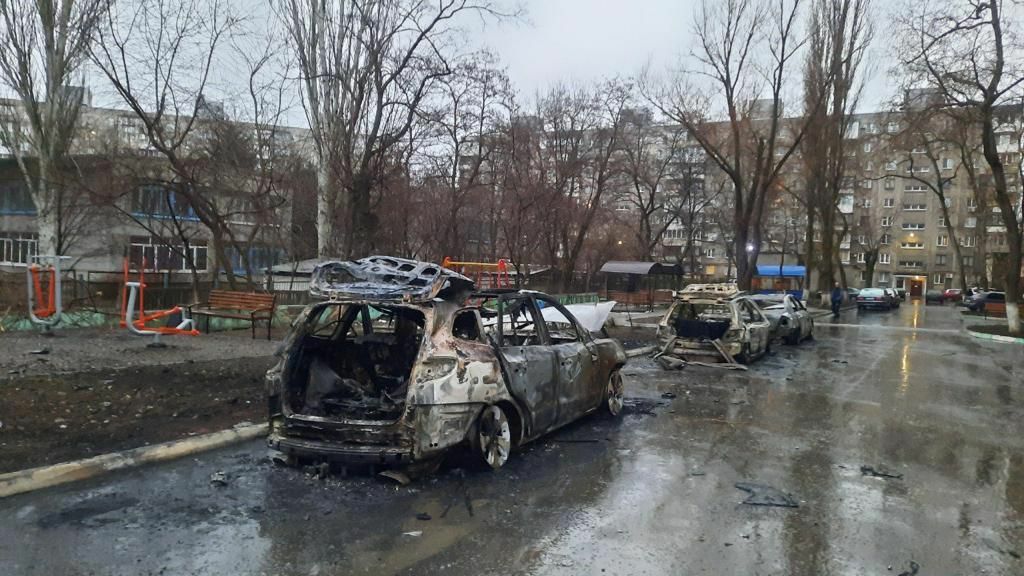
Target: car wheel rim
495,436
615,395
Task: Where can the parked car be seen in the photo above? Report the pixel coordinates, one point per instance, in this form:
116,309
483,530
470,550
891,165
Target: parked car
977,303
952,295
789,317
937,296
695,320
894,297
874,298
403,361
901,294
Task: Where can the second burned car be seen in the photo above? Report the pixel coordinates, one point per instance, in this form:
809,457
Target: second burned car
402,361
711,325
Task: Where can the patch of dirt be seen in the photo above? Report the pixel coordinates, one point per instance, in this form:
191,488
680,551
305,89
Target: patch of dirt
994,330
55,418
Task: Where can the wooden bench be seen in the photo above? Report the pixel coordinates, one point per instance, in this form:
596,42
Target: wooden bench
998,310
251,306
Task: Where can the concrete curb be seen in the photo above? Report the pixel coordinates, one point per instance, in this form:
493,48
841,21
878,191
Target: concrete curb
995,337
12,483
634,352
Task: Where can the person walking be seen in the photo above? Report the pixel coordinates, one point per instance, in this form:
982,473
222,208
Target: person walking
837,300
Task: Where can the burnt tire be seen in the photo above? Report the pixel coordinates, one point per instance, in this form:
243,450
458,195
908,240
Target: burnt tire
494,436
793,338
614,394
744,356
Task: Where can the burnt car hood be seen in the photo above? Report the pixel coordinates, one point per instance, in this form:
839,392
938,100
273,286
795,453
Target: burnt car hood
387,279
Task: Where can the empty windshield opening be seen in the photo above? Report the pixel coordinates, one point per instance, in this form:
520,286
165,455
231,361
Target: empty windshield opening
355,360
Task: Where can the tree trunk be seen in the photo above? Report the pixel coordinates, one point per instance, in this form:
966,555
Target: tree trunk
363,226
47,212
869,268
324,212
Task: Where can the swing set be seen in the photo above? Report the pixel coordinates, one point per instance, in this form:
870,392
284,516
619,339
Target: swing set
134,292
45,307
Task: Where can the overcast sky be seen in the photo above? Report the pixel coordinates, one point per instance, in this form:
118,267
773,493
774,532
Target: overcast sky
592,39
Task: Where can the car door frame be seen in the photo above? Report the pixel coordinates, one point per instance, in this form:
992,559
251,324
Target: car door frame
759,328
578,366
530,371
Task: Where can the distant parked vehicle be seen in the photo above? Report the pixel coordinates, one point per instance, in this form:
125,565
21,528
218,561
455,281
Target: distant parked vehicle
894,297
789,317
936,296
952,295
874,298
977,303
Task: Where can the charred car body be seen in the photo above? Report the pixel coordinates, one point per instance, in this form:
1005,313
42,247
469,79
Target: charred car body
700,325
403,361
789,318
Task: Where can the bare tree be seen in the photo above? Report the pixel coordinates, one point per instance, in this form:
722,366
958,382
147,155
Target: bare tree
833,81
177,43
44,43
367,68
965,51
746,50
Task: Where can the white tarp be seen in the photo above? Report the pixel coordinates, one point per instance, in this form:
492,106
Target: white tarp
591,316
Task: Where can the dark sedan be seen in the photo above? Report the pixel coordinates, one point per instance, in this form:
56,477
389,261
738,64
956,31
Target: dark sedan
874,298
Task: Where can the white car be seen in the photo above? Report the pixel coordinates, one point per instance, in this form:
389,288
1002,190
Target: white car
789,317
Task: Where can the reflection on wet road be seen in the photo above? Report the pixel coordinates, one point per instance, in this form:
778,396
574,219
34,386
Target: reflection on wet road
651,494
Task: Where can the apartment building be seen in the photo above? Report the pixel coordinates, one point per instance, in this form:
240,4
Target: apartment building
120,199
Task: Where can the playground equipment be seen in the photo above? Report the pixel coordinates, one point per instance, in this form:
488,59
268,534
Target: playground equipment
134,292
496,279
45,309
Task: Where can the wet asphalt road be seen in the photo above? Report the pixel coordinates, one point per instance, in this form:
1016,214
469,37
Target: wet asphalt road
652,493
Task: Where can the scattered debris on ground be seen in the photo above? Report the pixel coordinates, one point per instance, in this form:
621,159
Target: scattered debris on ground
423,516
762,495
914,568
219,479
879,472
397,476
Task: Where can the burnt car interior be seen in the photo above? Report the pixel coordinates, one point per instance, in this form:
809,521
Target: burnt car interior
355,361
702,320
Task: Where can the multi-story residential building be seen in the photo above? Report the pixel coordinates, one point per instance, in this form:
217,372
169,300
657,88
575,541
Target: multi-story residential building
121,199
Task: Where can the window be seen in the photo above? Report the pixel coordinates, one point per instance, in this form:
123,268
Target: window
518,322
892,127
18,247
911,264
889,202
862,239
947,163
15,198
913,225
891,166
915,207
560,329
948,202
466,325
869,166
884,258
867,147
971,222
709,252
161,255
938,278
866,203
922,169
884,277
861,257
886,221
866,184
970,241
968,261
918,150
159,202
844,256
942,240
942,222
940,259
912,245
972,203
915,187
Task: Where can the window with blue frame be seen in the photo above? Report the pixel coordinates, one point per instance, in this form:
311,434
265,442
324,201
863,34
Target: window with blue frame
15,198
156,201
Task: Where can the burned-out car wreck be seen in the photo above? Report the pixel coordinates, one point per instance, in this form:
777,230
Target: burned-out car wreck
716,326
403,360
